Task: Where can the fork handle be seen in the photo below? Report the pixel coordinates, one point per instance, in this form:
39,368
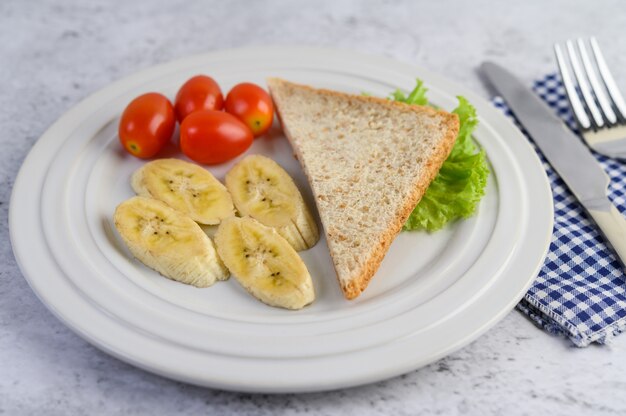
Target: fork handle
613,226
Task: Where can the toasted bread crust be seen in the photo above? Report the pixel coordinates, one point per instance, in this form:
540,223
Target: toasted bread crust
396,105
450,123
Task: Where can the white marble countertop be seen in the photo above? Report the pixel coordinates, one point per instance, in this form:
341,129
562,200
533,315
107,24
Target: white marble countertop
54,53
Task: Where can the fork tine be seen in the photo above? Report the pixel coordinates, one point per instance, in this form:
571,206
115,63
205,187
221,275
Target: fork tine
570,89
611,87
583,85
597,89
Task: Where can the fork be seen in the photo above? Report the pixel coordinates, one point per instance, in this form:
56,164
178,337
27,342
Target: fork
601,117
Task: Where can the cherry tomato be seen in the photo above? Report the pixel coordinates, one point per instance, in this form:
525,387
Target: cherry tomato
211,137
147,125
198,93
252,105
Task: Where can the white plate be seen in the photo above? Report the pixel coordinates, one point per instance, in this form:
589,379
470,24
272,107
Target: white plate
432,294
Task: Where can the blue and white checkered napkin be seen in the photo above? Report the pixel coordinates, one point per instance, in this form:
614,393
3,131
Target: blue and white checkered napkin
580,291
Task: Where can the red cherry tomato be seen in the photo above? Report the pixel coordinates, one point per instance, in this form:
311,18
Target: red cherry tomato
198,93
212,137
252,105
147,125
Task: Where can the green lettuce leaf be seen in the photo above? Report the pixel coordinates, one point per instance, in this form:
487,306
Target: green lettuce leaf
460,184
415,97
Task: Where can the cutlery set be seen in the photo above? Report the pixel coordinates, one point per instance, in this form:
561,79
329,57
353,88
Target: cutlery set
601,117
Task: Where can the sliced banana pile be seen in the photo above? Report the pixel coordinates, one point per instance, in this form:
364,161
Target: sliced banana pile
264,263
263,190
161,227
185,187
169,242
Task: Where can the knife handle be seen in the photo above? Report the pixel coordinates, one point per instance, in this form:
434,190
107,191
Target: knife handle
613,226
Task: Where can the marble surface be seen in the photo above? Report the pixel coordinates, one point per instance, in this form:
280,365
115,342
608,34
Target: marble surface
55,53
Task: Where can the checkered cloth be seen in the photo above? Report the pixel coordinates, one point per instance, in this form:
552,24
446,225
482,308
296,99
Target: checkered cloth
580,291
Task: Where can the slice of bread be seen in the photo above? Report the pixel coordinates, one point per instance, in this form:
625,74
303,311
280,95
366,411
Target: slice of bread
369,161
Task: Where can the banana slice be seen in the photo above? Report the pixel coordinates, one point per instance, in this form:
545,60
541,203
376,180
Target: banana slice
169,242
264,263
185,187
263,190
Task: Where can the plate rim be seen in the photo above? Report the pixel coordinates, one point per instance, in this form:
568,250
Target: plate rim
479,102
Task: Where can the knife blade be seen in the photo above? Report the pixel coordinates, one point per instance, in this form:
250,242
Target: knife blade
571,159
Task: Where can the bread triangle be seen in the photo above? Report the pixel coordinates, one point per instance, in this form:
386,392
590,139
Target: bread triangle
369,161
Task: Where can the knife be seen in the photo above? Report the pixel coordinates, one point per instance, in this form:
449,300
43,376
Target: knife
566,153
